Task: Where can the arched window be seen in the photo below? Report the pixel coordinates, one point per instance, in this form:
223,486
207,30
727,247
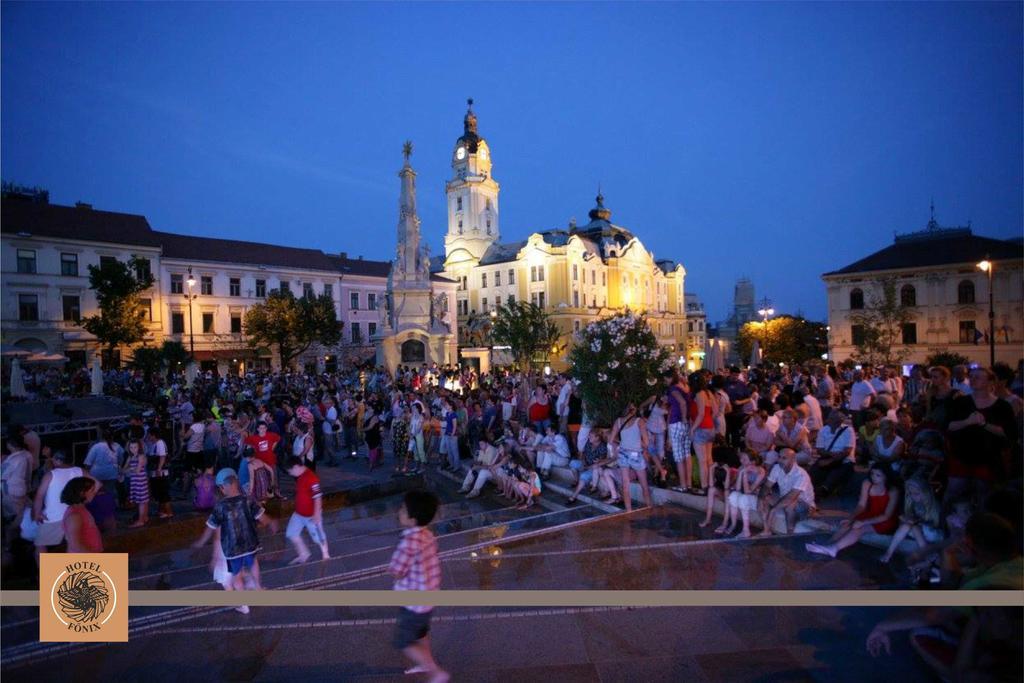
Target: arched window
856,299
965,292
908,295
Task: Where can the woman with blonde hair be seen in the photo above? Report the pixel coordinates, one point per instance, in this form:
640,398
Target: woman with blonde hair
920,517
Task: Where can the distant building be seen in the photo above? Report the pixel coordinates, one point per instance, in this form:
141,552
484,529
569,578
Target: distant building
743,311
579,274
696,331
47,249
936,276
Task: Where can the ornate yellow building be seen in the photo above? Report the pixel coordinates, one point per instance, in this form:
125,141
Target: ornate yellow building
578,274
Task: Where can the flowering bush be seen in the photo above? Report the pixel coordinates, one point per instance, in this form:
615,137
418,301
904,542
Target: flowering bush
616,361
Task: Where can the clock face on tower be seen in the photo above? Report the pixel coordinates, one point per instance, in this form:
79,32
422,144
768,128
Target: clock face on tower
460,153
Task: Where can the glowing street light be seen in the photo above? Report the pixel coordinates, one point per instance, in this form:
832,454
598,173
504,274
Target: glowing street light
986,266
765,311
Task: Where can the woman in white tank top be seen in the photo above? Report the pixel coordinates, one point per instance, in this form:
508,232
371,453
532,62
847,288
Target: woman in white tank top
630,435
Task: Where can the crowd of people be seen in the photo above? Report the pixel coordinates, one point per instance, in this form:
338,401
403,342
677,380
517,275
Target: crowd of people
914,458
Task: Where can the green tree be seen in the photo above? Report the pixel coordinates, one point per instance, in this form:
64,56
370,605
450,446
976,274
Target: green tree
947,359
293,325
151,360
881,322
526,329
787,338
617,361
122,319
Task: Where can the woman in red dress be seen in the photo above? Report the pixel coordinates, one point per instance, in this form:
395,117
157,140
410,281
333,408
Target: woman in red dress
876,511
80,530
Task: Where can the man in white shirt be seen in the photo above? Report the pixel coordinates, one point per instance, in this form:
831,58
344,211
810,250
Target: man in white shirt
795,496
862,393
835,446
553,451
330,432
961,382
562,404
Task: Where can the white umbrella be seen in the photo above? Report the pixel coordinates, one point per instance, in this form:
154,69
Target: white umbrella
191,372
713,361
97,378
755,354
17,379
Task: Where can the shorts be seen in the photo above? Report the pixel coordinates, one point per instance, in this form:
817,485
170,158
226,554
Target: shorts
410,628
679,436
237,564
743,501
299,522
703,436
634,460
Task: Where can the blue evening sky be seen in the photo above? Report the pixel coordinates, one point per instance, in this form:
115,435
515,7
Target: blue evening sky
776,141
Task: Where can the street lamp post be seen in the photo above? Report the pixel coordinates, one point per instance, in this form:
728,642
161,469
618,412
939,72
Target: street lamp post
987,267
765,311
191,281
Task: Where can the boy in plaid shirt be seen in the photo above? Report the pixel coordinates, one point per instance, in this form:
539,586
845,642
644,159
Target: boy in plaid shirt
416,567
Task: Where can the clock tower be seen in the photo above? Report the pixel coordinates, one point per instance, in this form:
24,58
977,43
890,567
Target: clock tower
472,198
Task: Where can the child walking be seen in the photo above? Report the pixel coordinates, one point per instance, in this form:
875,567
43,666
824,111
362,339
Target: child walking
415,567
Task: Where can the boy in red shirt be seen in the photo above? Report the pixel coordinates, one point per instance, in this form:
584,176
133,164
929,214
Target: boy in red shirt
309,511
264,445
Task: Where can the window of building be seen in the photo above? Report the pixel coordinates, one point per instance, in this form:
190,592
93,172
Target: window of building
483,304
26,260
583,299
857,334
689,327
235,287
483,280
593,277
540,273
465,283
72,308
511,276
604,279
458,203
497,302
236,323
511,299
540,299
107,261
371,301
261,289
700,325
143,271
910,333
353,301
371,329
488,226
575,272
575,299
464,307
329,290
147,308
968,332
856,300
207,323
177,323
177,283
965,292
69,264
357,333
575,325
307,290
460,227
285,286
533,273
206,285
28,307
908,296
497,278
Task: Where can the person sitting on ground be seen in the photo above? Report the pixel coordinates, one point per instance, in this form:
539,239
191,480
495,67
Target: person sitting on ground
553,451
835,450
527,486
488,458
867,433
969,643
744,498
793,435
888,447
794,497
758,438
309,511
875,512
80,530
920,518
594,468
